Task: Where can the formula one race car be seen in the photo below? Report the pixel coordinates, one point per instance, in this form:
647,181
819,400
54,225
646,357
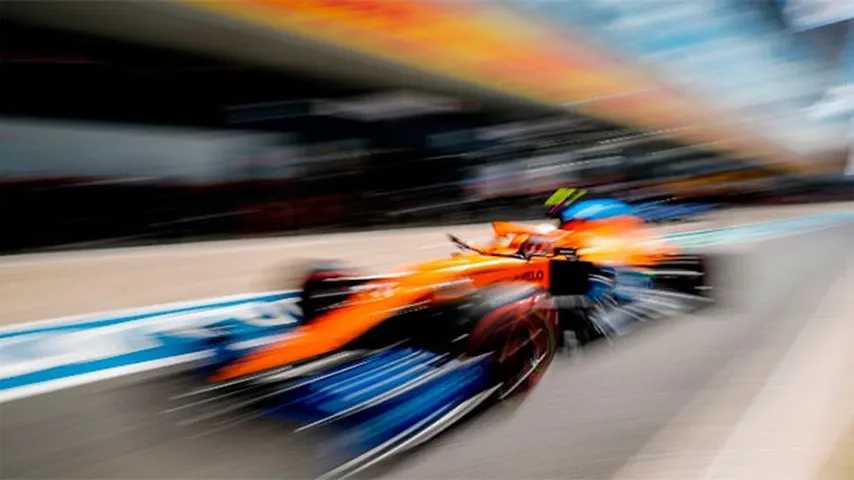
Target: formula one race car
400,357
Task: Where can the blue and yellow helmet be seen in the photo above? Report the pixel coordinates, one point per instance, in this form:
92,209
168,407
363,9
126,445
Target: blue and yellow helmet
566,205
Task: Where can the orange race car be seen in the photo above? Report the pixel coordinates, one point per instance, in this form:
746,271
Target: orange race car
512,298
397,358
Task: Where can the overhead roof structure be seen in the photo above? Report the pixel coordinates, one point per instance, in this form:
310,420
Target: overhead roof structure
480,51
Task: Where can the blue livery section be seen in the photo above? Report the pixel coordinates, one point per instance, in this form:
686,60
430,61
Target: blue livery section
385,402
375,403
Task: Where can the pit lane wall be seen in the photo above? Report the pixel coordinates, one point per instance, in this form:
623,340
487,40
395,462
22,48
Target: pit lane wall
62,353
41,357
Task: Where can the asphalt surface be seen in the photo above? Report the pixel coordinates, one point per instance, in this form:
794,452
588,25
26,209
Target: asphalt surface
593,414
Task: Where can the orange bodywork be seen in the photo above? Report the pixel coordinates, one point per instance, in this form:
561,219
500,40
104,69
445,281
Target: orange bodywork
621,241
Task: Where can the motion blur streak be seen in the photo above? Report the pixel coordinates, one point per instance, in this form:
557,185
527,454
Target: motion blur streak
426,239
481,43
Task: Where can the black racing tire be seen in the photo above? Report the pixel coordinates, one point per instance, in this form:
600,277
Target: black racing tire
683,274
578,321
517,325
320,291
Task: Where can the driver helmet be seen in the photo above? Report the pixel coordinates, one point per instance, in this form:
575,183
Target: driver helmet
565,204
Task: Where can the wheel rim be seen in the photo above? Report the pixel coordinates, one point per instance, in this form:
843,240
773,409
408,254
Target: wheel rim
526,352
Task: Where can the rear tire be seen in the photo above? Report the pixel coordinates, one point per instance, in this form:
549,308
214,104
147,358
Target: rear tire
320,291
577,321
683,274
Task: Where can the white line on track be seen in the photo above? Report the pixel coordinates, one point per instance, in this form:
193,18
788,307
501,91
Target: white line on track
190,249
150,309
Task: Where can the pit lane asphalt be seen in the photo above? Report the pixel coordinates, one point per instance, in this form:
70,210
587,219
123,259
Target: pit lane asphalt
590,415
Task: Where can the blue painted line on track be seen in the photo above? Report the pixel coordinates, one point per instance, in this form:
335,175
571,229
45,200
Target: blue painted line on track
73,369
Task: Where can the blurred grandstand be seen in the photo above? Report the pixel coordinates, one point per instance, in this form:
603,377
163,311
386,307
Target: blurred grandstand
134,122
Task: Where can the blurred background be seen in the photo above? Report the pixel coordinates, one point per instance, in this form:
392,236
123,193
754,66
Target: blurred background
138,122
277,129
